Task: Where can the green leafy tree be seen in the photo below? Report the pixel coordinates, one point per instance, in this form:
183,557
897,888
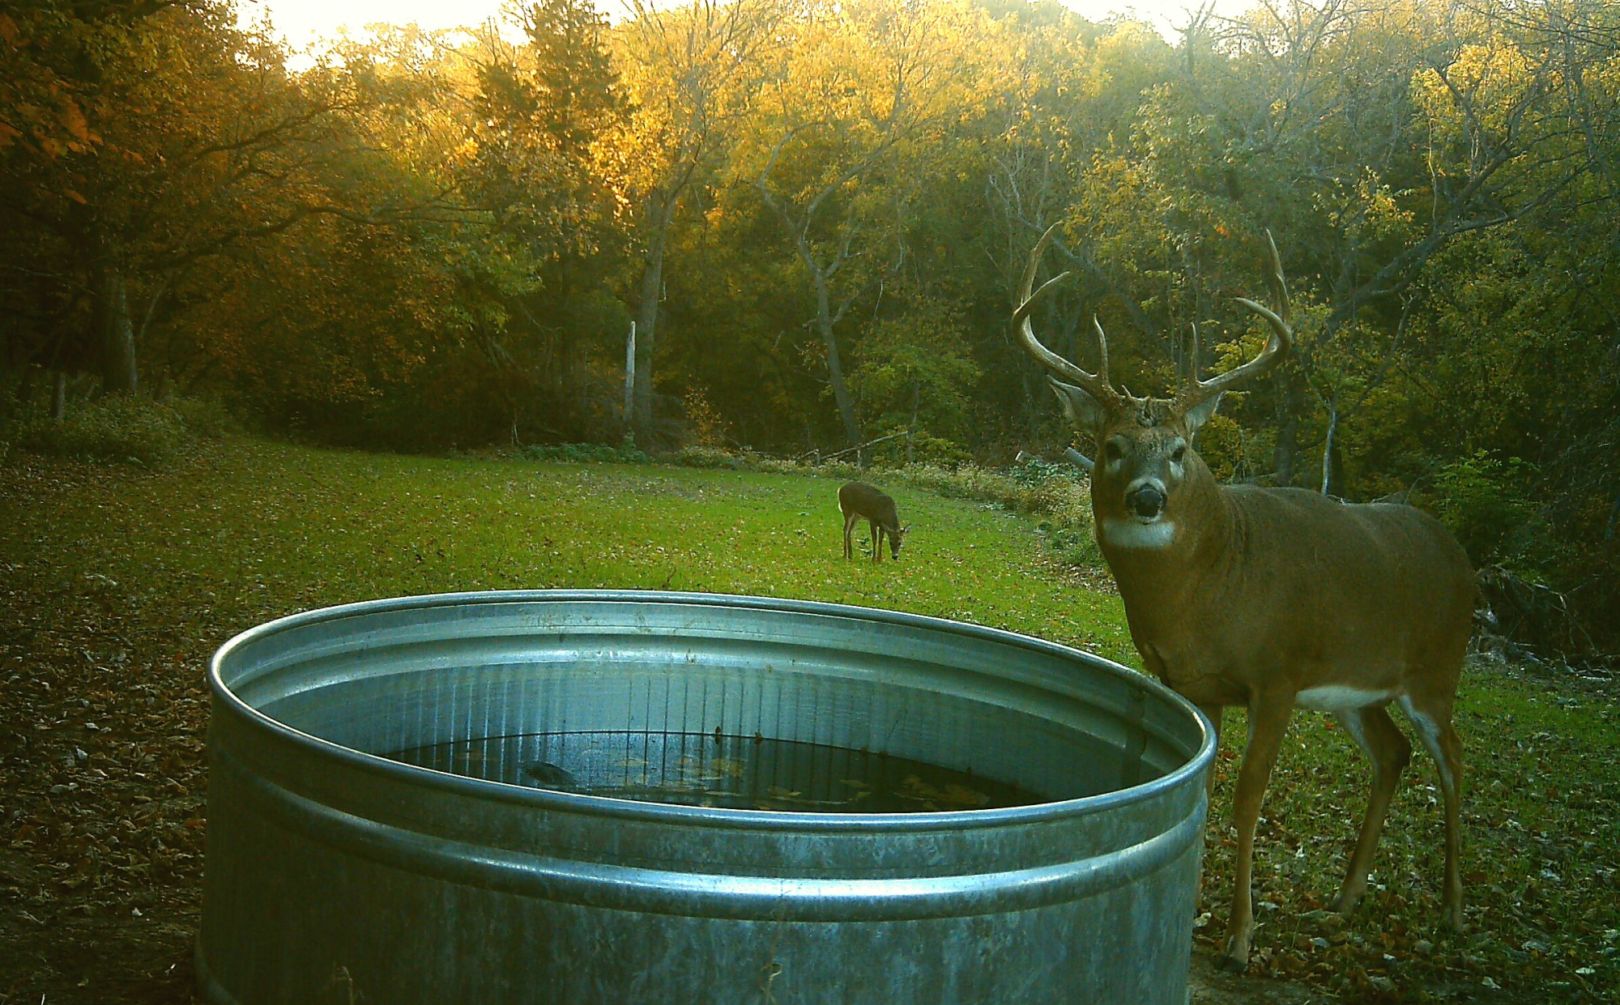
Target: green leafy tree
914,373
688,75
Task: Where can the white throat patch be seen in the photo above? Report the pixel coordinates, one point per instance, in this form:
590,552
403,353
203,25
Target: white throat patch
1134,534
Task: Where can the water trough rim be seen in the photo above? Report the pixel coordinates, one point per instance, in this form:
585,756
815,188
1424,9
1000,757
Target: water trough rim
778,820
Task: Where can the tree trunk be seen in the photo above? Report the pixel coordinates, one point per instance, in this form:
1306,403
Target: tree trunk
651,288
648,294
911,430
820,277
630,378
1330,453
116,333
835,368
1289,403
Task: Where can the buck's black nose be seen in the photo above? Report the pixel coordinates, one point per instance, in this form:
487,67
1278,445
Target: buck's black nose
1146,501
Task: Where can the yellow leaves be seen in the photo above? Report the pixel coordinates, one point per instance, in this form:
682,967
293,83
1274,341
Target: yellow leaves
55,131
1369,208
1378,200
1482,89
1480,67
849,78
73,120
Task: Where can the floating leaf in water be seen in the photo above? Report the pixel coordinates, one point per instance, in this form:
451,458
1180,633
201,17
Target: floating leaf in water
962,797
550,776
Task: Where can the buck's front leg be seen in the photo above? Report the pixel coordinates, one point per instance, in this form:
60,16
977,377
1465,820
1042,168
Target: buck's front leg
1268,719
1213,714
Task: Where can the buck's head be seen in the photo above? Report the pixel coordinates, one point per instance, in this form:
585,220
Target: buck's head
1146,474
1146,471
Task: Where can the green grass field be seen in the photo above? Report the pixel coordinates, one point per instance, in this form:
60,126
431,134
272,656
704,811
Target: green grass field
116,583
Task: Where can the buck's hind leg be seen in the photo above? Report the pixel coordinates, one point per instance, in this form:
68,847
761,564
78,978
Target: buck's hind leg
1389,751
1432,719
849,531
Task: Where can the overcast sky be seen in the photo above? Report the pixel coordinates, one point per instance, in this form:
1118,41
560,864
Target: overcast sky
301,21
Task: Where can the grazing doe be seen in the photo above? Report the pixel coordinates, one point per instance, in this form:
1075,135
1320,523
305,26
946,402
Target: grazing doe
859,500
1272,598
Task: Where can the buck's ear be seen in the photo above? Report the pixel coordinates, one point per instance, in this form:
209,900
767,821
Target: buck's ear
1200,413
1082,410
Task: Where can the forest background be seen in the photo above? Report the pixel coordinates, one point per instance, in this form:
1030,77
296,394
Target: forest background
814,214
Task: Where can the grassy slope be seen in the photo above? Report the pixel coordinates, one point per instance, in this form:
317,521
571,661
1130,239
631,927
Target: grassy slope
123,581
273,529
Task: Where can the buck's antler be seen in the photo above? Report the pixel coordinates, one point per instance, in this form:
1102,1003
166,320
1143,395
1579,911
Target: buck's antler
1282,337
1096,384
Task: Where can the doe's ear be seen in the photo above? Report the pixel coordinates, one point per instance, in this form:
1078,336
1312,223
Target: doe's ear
1200,413
1082,410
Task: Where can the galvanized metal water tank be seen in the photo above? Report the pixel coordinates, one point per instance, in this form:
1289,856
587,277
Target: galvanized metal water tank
335,873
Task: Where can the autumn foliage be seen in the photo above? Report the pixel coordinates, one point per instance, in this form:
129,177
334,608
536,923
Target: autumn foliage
812,212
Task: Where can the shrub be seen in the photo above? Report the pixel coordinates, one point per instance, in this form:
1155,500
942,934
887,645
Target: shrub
699,456
1486,503
922,448
124,428
1073,545
206,417
707,426
1033,471
1051,493
587,453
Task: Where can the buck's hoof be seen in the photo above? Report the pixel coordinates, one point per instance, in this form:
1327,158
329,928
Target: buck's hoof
1236,958
1343,904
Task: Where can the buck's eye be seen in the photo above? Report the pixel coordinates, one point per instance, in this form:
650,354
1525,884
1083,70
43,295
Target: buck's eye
1113,451
1180,452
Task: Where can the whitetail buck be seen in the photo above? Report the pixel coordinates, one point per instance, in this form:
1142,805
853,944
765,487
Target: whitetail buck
1274,598
859,500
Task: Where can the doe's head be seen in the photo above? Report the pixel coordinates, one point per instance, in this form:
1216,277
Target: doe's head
897,537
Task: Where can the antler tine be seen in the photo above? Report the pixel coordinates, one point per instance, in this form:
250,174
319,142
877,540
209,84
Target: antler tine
1096,384
1282,338
1102,353
1276,280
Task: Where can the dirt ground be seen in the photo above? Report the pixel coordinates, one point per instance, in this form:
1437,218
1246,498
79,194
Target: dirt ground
102,817
1209,985
102,820
98,957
